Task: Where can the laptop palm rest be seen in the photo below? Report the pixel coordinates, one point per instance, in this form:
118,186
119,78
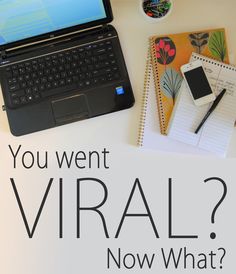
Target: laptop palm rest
70,109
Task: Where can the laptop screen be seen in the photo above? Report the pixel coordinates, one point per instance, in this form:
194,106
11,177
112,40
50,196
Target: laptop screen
22,19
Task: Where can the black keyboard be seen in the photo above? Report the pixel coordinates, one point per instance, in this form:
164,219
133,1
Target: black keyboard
75,69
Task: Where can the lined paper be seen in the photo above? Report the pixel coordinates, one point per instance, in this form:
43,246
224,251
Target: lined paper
216,133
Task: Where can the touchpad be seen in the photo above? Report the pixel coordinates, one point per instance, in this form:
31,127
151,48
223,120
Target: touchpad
70,109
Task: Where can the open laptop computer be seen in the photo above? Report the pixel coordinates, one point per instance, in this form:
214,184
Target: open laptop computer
60,62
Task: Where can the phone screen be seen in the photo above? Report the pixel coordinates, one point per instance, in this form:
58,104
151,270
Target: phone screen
198,83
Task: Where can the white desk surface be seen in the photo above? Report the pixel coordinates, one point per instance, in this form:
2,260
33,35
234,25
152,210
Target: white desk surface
118,133
121,129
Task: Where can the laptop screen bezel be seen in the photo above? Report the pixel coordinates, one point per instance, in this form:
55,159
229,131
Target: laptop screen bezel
54,34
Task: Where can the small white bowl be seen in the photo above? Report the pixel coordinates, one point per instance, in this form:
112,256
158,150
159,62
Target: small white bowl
153,19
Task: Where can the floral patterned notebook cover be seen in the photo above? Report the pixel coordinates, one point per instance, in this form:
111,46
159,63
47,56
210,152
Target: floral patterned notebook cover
170,52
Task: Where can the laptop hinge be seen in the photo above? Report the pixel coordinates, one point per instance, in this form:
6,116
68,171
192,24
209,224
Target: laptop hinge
3,55
105,27
46,42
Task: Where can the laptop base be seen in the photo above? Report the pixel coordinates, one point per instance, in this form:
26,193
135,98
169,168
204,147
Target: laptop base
78,103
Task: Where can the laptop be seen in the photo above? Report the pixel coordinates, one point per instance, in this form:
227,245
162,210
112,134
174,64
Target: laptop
60,62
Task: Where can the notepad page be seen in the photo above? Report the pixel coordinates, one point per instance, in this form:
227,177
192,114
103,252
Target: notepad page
185,118
215,134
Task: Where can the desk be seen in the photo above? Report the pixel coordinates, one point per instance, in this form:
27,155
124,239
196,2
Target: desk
121,129
118,133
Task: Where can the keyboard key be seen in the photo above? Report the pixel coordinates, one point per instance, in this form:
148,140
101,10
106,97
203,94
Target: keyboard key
37,82
14,87
99,51
37,96
16,101
12,81
88,47
75,78
62,82
63,75
28,91
21,70
115,68
108,70
57,76
40,61
81,84
48,86
29,98
82,76
88,75
102,57
54,70
88,83
15,73
42,87
35,89
42,65
44,80
55,84
23,100
84,69
28,69
27,77
17,93
75,57
90,67
21,78
69,80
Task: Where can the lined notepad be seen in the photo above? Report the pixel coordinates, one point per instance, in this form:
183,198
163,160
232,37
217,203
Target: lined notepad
216,133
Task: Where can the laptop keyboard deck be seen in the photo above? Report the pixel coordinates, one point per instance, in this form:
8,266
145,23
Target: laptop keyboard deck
78,68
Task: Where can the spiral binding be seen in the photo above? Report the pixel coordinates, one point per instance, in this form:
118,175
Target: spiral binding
196,56
159,102
147,79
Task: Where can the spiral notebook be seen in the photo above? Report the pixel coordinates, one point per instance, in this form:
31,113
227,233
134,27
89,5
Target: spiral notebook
218,129
149,131
169,53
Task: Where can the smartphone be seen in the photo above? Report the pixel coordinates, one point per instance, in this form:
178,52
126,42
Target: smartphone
198,83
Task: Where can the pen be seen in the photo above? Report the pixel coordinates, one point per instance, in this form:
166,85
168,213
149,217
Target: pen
212,108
